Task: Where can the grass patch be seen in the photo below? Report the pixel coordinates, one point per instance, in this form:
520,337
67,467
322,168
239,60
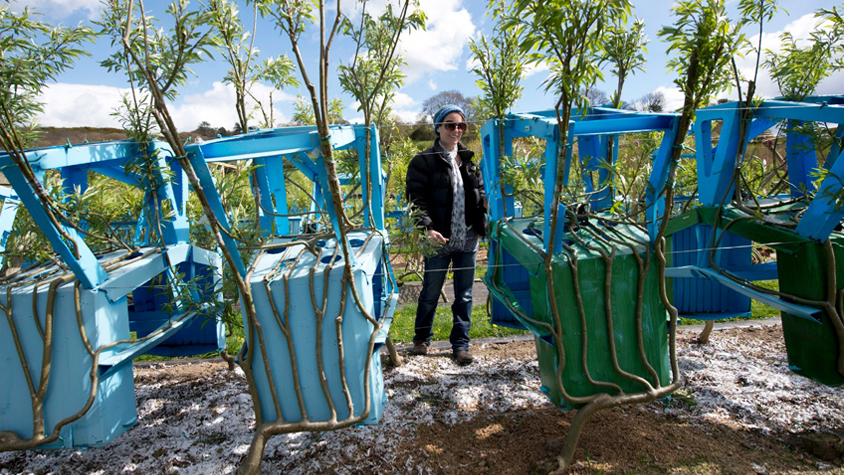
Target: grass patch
402,328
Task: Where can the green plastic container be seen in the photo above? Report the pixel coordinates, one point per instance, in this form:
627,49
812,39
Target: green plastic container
520,238
812,347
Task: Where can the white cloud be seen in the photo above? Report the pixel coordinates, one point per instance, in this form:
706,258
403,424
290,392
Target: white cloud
831,85
77,105
800,30
405,107
352,114
407,116
216,106
441,45
673,97
472,63
403,101
432,85
535,68
60,9
374,7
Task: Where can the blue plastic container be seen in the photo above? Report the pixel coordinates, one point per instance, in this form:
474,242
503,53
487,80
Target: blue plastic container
321,274
705,299
107,318
113,409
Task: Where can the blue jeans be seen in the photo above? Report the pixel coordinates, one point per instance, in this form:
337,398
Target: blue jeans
436,268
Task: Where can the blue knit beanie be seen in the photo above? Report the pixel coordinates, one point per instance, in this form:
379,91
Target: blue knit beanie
444,111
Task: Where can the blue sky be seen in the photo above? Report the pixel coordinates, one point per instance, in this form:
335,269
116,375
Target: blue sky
438,59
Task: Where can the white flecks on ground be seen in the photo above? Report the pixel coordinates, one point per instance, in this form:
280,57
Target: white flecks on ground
745,382
205,425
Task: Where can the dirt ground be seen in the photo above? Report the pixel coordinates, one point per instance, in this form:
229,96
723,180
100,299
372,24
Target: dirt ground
641,440
741,412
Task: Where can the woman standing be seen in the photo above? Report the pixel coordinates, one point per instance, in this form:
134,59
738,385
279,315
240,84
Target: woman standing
446,188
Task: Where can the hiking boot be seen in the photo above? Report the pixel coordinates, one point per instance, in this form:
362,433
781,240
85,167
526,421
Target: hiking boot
463,357
418,349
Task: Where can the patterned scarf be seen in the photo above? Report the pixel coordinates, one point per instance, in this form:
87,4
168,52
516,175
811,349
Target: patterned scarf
458,209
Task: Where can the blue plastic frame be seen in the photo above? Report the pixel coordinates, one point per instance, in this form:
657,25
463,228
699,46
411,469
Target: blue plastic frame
162,325
592,130
287,301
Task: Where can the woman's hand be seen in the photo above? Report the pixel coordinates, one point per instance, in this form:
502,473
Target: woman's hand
436,237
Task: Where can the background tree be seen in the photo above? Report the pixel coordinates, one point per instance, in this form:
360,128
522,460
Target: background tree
452,96
421,130
595,96
653,101
204,128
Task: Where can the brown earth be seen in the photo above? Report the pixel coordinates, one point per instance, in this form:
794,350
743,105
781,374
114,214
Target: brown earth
618,441
623,440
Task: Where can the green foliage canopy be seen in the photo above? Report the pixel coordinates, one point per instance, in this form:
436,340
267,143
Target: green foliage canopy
500,63
32,53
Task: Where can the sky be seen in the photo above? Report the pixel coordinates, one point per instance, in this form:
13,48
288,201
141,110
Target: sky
438,59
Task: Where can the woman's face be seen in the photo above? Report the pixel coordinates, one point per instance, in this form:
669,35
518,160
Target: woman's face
449,138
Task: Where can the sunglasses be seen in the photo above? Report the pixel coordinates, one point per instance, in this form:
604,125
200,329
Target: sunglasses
450,126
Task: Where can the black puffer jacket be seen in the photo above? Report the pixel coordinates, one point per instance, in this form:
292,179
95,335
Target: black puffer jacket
430,190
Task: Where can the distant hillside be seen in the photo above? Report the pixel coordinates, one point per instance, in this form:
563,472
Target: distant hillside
61,135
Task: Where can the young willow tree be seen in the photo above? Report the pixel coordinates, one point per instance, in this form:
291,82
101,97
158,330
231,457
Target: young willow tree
570,36
303,111
375,73
278,72
798,70
293,18
32,54
238,49
157,62
625,50
500,65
